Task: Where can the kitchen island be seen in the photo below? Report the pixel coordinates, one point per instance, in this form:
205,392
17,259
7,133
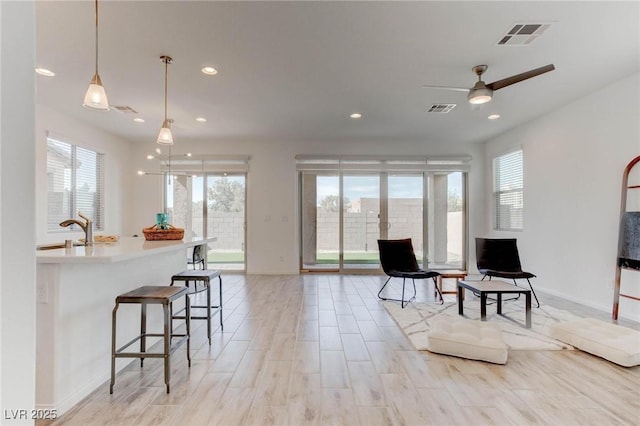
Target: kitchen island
76,290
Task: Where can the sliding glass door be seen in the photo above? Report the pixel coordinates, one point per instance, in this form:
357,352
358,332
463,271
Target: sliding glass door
447,241
405,202
320,220
344,214
212,205
225,219
361,221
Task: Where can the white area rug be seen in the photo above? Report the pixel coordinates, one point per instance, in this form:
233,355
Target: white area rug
414,320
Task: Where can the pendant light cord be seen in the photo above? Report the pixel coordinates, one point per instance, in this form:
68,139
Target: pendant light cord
96,37
166,79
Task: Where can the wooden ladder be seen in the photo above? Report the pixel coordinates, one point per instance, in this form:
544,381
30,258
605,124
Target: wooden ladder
620,265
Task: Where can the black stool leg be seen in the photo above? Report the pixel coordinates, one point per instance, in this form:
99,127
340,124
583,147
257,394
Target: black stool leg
208,284
220,303
113,348
167,345
143,331
188,326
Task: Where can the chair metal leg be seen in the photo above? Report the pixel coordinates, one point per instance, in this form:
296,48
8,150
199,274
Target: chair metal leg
534,293
382,288
402,301
435,284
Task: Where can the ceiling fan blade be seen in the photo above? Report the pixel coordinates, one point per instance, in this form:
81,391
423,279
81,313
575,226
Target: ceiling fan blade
520,77
459,89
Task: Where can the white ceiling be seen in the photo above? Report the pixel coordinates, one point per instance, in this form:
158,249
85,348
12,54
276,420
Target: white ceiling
296,70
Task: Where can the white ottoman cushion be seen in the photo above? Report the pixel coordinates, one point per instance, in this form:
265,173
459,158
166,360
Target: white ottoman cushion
609,341
466,338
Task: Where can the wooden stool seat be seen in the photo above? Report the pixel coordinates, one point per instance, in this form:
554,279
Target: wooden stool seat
205,276
146,295
151,294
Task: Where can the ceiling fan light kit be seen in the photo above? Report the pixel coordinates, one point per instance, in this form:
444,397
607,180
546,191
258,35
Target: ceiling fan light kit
96,97
482,93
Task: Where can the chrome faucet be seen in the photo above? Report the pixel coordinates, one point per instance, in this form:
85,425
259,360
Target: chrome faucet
87,227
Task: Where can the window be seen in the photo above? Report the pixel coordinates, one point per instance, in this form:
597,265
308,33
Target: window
508,189
347,203
74,184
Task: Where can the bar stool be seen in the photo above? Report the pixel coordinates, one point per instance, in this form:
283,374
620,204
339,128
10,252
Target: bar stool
159,295
205,276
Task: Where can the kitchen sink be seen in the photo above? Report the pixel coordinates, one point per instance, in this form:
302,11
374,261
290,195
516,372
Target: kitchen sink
56,246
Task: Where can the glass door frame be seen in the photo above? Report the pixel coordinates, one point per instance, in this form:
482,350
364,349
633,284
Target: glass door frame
205,211
383,223
382,190
205,218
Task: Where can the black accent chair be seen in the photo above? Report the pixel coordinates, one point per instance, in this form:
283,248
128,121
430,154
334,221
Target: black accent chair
399,261
198,256
498,257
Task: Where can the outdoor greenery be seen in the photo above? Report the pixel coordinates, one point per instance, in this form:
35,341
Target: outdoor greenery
226,195
454,202
331,203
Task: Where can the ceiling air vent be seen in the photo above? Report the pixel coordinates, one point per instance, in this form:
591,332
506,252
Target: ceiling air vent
523,34
441,108
125,109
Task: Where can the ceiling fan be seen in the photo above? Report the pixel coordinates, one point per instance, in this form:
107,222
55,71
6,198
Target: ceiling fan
482,93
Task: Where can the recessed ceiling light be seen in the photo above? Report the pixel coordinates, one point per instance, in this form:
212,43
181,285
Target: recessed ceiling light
45,72
138,120
209,71
201,119
150,157
493,116
356,115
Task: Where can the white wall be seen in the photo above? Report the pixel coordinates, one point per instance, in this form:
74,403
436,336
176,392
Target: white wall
573,163
117,170
17,208
272,194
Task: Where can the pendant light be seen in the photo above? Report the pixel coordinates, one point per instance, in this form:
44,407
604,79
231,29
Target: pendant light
96,98
165,137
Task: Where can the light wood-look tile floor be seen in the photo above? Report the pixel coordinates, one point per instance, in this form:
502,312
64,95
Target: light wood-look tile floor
321,349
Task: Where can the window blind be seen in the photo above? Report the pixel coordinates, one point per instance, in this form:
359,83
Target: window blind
383,163
74,183
204,163
508,192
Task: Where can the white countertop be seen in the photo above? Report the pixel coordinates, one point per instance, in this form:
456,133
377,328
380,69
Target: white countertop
125,249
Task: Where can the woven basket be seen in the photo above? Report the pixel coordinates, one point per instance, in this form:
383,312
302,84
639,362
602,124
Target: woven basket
152,233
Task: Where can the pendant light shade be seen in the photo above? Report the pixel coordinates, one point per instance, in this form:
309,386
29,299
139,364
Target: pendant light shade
165,137
96,97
